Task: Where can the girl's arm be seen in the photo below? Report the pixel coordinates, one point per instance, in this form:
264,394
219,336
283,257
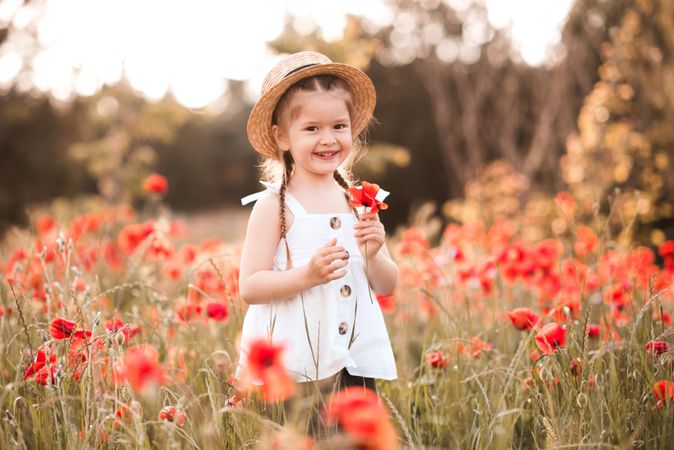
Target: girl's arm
258,283
382,271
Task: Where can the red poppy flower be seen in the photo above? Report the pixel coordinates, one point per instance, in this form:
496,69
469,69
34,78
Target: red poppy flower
45,224
186,311
155,184
128,330
663,391
172,414
265,369
477,346
524,319
412,242
358,411
46,375
387,303
437,359
82,334
60,328
534,355
576,367
368,195
592,330
140,368
657,348
666,249
217,311
132,235
566,203
586,242
551,337
42,358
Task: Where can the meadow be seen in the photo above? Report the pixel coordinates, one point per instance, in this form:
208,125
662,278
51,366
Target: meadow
119,330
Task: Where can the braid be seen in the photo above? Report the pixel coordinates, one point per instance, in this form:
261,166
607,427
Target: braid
287,170
345,184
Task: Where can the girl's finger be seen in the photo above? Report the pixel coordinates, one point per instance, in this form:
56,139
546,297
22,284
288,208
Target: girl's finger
329,259
362,233
337,274
327,251
370,229
372,237
331,243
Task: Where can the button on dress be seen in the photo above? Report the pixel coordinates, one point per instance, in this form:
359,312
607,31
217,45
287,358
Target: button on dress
344,325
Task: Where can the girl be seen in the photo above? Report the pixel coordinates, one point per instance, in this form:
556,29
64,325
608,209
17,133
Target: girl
303,260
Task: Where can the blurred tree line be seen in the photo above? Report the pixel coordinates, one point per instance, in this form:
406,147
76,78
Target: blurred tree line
451,101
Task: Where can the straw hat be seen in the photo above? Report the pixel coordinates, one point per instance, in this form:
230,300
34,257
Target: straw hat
293,68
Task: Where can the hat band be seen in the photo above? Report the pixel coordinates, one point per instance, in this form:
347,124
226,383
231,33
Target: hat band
297,69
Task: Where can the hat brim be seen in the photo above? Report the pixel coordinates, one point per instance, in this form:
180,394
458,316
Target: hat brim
260,119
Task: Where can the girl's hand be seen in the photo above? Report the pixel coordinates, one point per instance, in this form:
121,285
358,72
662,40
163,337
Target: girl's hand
369,229
324,265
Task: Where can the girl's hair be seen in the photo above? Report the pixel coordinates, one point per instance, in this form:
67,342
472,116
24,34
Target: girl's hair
279,169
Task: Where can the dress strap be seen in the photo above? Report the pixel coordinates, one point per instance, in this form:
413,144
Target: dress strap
294,205
291,202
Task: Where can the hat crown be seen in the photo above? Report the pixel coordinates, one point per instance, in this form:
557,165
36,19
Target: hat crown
291,64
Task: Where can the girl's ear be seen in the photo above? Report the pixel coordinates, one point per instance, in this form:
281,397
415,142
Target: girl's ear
280,137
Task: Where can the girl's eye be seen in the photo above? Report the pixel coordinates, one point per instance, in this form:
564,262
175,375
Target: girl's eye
311,128
341,126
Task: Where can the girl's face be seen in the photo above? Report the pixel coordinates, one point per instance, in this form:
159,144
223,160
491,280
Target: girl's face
316,129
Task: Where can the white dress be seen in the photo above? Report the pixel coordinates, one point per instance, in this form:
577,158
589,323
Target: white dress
344,325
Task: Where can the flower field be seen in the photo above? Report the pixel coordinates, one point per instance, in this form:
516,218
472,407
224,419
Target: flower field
117,330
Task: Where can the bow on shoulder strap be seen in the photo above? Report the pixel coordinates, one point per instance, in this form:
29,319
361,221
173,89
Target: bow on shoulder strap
271,187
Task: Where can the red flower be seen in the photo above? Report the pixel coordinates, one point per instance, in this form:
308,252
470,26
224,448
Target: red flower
217,311
524,318
265,369
366,195
141,368
387,303
437,359
657,348
663,391
45,224
592,330
128,330
46,375
477,345
576,367
60,328
40,361
412,242
586,242
155,184
566,203
132,235
172,414
551,337
186,311
666,249
361,415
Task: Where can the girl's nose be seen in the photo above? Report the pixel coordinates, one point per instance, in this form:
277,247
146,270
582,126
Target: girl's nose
328,140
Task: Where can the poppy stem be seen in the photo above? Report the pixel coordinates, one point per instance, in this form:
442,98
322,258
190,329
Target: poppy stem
367,276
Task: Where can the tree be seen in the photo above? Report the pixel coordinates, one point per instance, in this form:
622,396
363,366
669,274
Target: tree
483,103
625,139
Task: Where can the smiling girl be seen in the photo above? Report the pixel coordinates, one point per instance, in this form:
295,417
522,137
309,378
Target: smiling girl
302,266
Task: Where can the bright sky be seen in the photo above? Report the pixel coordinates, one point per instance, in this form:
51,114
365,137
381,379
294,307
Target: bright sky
192,47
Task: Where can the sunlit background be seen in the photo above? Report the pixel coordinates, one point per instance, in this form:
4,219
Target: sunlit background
491,106
192,48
